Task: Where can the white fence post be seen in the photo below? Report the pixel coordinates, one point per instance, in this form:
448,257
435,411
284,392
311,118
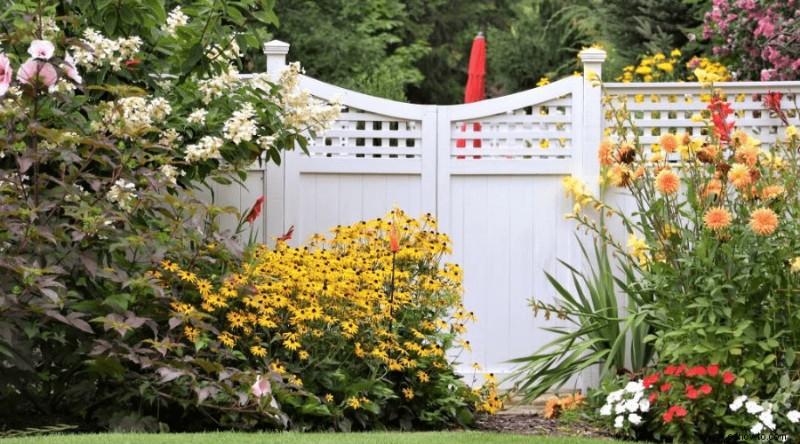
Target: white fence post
592,117
275,175
276,51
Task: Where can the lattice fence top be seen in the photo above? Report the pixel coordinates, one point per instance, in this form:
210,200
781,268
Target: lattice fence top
532,132
363,134
669,107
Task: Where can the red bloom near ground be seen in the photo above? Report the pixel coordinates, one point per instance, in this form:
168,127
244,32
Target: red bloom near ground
728,378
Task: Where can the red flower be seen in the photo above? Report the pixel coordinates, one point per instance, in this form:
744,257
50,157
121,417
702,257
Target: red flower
728,377
697,370
131,65
394,238
705,389
668,416
691,392
288,234
256,210
670,370
653,397
679,411
680,369
650,380
720,110
772,102
665,387
712,370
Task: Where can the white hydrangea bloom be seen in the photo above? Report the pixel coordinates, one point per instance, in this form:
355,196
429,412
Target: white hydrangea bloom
239,128
207,148
198,116
122,193
159,108
219,85
171,173
175,18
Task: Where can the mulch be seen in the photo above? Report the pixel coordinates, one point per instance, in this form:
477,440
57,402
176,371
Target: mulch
535,424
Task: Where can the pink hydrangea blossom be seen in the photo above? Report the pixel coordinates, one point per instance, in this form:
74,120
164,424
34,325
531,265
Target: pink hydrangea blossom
5,74
41,49
35,72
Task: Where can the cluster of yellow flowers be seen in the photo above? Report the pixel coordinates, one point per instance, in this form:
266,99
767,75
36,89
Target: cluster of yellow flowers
555,405
373,293
660,68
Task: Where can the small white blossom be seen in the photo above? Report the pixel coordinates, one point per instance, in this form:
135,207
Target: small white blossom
620,408
618,421
606,410
634,387
171,173
615,396
793,416
159,108
753,408
766,418
644,405
198,116
239,128
632,405
219,85
175,18
634,419
207,148
738,402
266,142
122,193
757,428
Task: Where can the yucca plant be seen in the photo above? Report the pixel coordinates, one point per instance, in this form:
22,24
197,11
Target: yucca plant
600,333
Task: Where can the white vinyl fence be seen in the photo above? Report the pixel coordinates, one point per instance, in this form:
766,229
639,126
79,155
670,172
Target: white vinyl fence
502,203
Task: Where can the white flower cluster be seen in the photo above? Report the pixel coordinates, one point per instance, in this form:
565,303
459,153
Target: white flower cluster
130,115
76,197
239,128
765,418
49,28
300,110
169,137
207,148
198,116
122,193
105,51
217,53
219,85
266,142
626,401
175,18
171,173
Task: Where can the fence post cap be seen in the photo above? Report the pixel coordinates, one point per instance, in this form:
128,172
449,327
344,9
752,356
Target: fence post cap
592,55
276,47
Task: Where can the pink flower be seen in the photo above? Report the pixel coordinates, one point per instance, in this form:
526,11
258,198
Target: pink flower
5,74
35,72
261,387
69,69
41,49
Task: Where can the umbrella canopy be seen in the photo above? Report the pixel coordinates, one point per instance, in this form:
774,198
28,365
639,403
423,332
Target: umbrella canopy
476,85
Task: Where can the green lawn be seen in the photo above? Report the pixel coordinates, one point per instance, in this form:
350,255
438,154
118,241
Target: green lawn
302,438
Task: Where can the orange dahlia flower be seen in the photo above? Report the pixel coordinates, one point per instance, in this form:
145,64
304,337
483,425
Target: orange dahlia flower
667,182
717,218
763,221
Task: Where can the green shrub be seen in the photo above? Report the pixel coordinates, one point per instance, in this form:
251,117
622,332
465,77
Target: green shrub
355,332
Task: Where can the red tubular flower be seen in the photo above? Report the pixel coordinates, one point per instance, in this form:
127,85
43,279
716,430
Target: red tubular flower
772,102
720,110
680,369
665,387
255,211
705,389
679,411
668,416
394,238
652,397
670,370
288,234
713,370
691,392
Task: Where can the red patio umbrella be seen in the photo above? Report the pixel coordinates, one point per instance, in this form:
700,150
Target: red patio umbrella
476,85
